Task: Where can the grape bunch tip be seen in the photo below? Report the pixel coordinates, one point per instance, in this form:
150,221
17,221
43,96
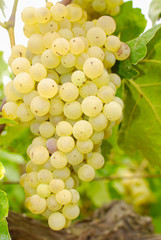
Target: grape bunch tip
64,90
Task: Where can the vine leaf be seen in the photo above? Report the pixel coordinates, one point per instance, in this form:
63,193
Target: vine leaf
141,127
4,233
155,11
130,22
139,50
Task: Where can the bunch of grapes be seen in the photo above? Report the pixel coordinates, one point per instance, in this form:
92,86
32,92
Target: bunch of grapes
65,91
96,8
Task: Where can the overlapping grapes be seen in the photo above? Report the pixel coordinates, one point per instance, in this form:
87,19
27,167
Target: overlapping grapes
100,7
64,90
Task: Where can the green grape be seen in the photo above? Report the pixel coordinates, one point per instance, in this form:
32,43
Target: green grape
38,72
75,196
75,157
11,93
92,106
96,52
112,111
46,129
56,119
49,37
29,30
39,154
65,144
42,15
49,60
52,204
9,110
88,89
86,173
36,59
63,173
27,98
64,197
58,160
57,221
18,51
44,176
71,211
62,70
113,43
82,130
99,123
119,100
78,32
47,88
53,75
93,68
35,44
58,11
78,78
23,83
109,60
73,110
96,160
65,23
106,94
107,23
56,107
28,15
43,190
77,45
28,190
80,60
30,166
69,183
66,33
68,60
23,179
64,128
42,118
99,5
96,36
74,12
47,213
103,80
85,146
48,27
123,52
97,137
115,79
36,204
68,92
20,64
32,179
60,47
24,113
40,106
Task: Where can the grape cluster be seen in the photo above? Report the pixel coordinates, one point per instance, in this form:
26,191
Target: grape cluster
65,91
100,7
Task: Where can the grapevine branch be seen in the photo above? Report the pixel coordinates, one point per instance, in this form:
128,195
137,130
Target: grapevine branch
110,178
66,2
9,26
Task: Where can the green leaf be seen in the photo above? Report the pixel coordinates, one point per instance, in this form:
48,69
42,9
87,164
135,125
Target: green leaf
12,157
4,234
3,205
7,121
141,127
2,6
2,171
130,22
138,48
155,11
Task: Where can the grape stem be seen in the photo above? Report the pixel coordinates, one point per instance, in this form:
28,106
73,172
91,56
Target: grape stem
110,178
66,2
9,26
